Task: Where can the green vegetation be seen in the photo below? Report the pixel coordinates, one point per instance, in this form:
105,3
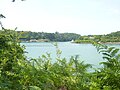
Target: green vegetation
61,37
38,36
83,41
46,37
109,38
19,73
112,37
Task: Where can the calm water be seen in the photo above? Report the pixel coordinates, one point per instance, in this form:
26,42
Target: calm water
86,52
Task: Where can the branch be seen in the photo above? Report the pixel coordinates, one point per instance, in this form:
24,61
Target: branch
2,26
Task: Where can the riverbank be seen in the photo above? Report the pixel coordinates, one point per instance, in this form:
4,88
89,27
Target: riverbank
91,41
110,43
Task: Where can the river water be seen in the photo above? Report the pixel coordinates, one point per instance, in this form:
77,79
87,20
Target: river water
86,52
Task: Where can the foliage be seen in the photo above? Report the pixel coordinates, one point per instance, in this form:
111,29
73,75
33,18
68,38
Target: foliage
20,73
83,41
27,35
108,77
109,38
10,54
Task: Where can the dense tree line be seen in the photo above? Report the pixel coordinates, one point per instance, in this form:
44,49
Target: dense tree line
113,37
27,35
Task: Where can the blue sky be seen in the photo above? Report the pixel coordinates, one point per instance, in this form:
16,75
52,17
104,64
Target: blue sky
75,16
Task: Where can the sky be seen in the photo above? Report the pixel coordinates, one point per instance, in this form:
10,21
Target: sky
85,17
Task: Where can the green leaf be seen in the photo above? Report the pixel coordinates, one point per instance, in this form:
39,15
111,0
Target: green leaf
114,52
105,57
110,49
106,54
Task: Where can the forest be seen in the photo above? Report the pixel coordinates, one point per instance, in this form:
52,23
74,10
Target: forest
61,37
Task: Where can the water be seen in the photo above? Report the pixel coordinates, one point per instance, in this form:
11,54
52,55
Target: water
86,52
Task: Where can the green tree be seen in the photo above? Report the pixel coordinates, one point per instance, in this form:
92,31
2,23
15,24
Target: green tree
10,55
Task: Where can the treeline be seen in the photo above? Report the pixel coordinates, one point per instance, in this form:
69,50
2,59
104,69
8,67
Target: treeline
17,72
28,35
113,37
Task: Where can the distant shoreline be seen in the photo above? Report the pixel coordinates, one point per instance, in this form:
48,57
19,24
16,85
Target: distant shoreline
69,41
99,42
110,43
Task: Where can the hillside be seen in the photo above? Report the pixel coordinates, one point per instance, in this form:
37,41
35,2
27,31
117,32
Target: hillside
28,35
113,37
